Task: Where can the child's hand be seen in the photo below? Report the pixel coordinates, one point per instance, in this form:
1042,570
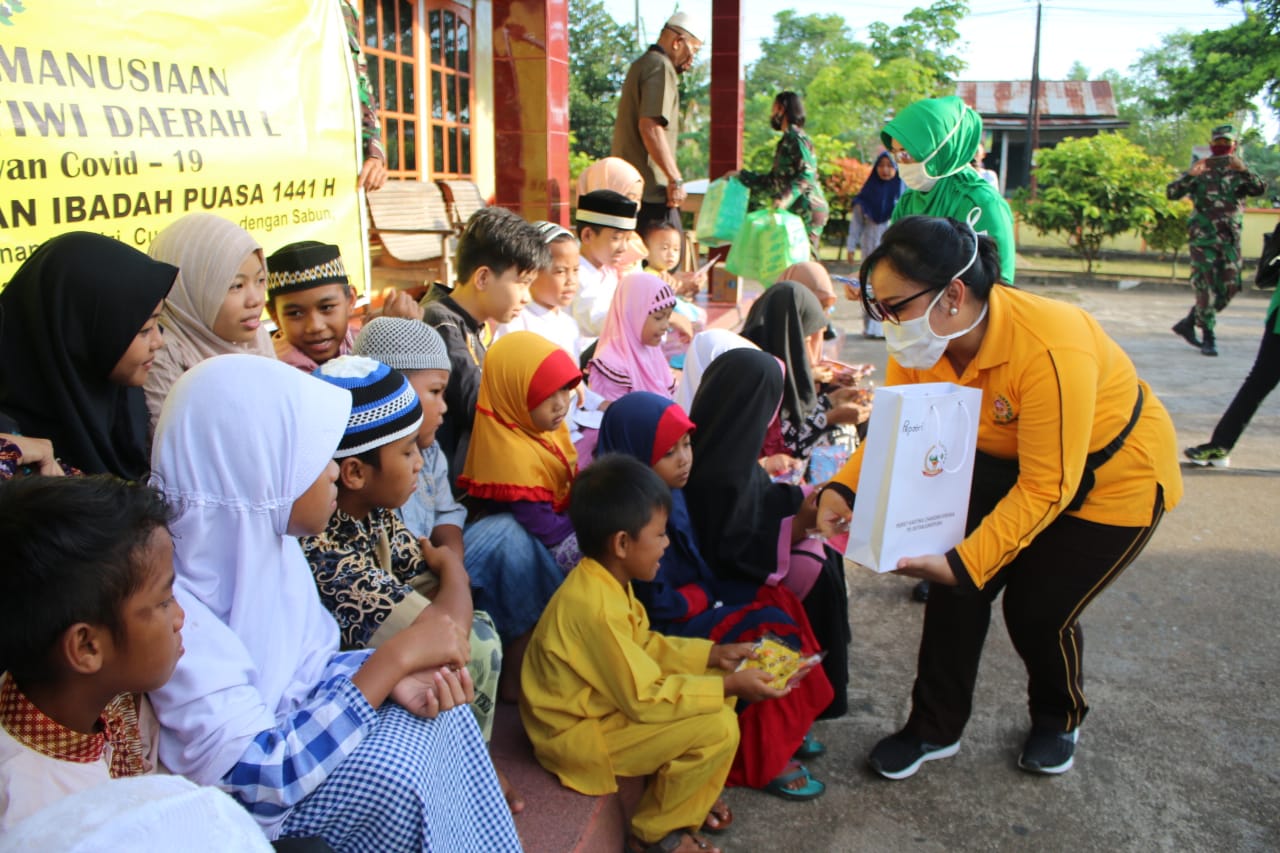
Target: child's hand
439,560
780,463
37,453
431,691
581,391
434,639
397,303
727,657
753,685
682,326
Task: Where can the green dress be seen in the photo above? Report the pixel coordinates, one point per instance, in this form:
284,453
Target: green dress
794,176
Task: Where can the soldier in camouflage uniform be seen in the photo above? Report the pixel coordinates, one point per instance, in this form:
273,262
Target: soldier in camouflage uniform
1216,185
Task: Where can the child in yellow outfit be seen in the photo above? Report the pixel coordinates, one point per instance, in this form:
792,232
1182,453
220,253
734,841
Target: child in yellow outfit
603,696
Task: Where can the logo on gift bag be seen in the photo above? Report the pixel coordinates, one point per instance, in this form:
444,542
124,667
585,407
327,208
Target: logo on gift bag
935,460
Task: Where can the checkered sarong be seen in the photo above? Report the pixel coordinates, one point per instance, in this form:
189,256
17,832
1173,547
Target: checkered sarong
412,784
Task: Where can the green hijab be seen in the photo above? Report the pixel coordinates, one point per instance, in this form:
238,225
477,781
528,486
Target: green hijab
946,132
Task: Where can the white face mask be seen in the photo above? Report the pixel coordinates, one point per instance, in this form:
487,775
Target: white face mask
915,176
914,344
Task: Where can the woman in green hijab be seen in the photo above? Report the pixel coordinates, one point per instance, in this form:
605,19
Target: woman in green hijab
934,141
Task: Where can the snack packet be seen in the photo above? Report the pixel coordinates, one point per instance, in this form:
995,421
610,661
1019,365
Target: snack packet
779,660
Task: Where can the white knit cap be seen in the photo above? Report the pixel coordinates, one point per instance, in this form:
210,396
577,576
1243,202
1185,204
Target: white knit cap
402,344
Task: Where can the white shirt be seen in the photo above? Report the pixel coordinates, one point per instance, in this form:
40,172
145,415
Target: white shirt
596,286
554,324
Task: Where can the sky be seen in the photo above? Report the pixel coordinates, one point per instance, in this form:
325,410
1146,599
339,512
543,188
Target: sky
998,35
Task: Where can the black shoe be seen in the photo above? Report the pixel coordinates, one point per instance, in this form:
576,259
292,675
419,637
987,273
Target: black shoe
1186,328
920,592
1208,347
829,334
899,756
1049,752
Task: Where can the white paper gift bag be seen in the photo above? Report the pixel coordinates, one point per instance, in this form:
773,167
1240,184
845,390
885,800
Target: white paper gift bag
917,468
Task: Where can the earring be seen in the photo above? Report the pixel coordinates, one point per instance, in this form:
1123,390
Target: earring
954,311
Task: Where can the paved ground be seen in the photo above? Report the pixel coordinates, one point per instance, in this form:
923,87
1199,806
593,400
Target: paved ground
1181,750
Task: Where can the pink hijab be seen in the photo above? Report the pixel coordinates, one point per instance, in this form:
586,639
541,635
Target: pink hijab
612,173
622,362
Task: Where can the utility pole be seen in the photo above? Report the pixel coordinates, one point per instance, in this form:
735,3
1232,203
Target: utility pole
639,38
1033,110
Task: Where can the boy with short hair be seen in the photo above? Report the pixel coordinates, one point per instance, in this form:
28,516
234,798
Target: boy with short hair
310,299
88,622
603,696
605,221
372,574
498,256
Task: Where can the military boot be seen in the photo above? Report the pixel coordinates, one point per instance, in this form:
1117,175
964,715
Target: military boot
1186,328
1208,348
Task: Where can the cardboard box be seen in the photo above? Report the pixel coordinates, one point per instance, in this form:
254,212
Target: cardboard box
724,287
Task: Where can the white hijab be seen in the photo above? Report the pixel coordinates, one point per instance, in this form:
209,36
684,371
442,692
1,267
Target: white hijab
705,348
239,439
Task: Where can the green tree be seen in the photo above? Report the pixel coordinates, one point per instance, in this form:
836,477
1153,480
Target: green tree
1226,69
600,52
1169,233
926,36
1093,188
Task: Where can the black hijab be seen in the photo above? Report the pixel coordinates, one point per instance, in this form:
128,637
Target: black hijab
736,510
66,318
779,322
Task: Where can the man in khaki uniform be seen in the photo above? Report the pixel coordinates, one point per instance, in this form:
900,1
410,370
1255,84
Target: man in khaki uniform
647,129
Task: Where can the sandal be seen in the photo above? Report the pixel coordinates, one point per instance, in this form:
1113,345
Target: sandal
810,747
719,818
678,841
811,789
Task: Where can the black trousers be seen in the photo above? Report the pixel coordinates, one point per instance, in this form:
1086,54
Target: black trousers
1046,588
1261,381
827,606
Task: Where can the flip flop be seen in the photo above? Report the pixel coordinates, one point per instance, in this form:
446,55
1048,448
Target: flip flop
721,814
811,747
811,790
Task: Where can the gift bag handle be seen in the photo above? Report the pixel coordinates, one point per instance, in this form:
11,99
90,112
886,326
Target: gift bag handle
937,421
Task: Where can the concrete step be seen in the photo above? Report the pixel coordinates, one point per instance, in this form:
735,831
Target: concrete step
556,819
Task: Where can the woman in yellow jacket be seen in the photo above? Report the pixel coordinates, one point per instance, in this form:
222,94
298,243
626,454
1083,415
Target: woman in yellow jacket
1077,462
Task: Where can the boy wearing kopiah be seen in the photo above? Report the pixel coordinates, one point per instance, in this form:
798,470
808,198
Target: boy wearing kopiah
603,696
372,574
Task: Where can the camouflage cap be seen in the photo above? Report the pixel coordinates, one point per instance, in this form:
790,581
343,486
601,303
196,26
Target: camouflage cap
1224,131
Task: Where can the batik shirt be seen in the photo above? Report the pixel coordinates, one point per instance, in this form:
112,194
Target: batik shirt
364,568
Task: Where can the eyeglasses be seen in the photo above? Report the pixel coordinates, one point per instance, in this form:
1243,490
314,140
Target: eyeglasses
888,312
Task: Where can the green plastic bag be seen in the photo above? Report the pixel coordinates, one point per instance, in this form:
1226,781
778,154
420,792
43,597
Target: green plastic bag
768,242
723,208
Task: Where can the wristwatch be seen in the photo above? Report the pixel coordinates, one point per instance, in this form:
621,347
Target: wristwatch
676,183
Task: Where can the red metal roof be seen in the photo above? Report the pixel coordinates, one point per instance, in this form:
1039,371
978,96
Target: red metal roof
1058,98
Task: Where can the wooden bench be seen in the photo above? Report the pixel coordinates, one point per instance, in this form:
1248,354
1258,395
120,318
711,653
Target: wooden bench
411,220
464,199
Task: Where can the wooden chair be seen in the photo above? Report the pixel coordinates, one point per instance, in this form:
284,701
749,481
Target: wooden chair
464,199
411,220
